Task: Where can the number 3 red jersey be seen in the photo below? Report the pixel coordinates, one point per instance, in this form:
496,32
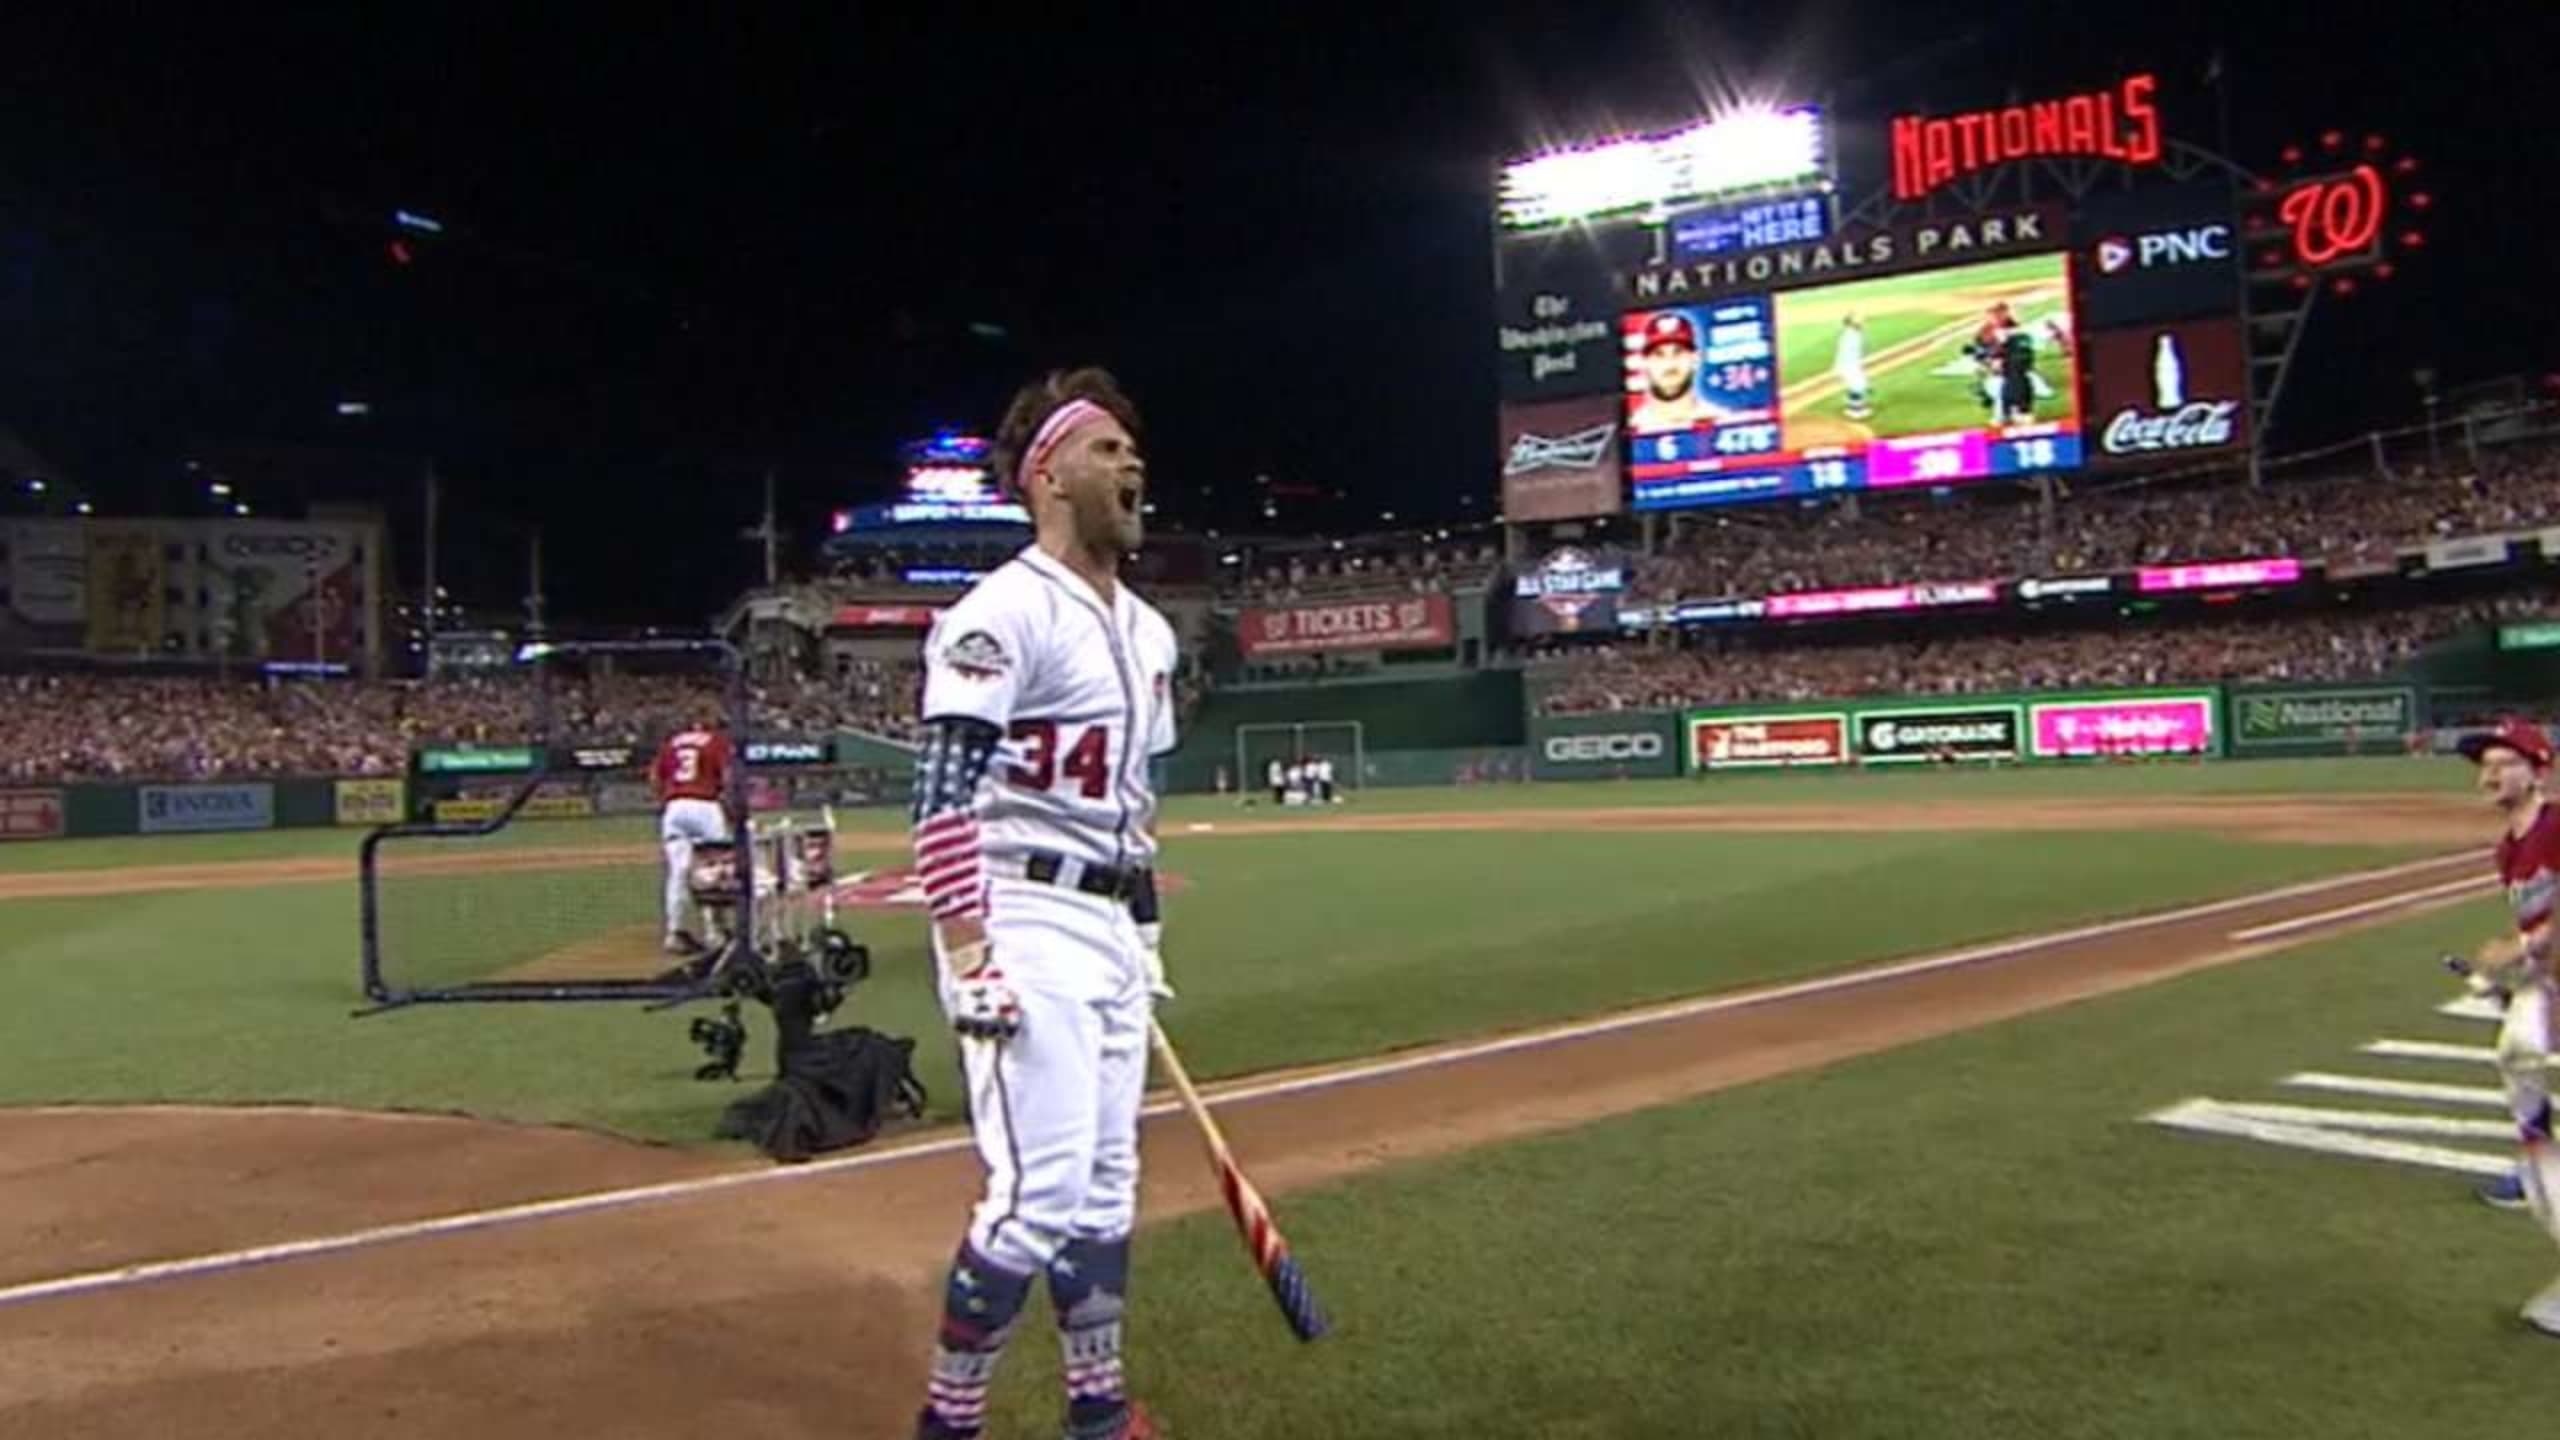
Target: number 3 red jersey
693,765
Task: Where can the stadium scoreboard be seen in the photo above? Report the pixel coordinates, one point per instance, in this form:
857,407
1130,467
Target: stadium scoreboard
1694,296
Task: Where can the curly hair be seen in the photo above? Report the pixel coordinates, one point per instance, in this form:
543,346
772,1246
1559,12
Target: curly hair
1034,403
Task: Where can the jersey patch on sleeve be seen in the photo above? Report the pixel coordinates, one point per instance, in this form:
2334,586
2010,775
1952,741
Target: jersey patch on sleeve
977,656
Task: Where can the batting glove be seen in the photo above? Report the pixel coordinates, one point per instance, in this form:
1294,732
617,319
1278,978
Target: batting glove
1151,948
982,1002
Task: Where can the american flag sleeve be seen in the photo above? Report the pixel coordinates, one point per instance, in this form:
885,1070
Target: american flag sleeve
953,759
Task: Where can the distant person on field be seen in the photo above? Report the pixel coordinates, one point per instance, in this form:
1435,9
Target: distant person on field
1849,365
1278,774
690,778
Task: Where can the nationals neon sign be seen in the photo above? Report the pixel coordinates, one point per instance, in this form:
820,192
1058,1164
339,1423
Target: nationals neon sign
2121,124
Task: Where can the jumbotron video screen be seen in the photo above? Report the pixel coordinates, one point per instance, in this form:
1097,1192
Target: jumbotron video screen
1912,379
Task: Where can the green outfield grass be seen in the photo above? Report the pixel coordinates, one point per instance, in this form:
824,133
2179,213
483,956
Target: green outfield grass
1935,388
1972,1237
1287,948
1810,787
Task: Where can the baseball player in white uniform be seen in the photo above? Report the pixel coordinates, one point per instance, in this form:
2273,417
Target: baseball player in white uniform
1849,365
1048,688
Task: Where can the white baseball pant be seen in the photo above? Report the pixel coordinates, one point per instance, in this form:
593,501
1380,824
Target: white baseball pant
683,825
1055,1107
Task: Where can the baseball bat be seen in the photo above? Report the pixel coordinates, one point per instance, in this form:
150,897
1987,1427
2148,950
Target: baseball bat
1262,1238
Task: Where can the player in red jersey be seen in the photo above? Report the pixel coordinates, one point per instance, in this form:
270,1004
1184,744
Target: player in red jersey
691,778
2513,759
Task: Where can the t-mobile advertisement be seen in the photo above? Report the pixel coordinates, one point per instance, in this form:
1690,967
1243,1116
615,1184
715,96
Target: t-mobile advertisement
2136,725
2163,392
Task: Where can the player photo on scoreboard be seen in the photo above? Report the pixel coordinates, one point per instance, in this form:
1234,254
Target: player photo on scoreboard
1985,347
1699,366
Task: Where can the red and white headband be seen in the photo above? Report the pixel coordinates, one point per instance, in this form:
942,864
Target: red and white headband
1053,432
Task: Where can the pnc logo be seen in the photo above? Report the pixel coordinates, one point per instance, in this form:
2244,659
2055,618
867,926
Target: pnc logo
2161,249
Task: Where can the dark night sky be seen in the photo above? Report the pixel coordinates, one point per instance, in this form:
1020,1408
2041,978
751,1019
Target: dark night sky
680,255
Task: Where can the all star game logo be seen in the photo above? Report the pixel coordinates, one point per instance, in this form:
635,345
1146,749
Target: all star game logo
977,656
1573,590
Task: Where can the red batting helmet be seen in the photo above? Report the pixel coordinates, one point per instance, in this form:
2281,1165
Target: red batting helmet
2512,733
1669,328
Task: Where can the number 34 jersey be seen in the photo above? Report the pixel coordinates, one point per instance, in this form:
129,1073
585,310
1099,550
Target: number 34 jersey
1082,690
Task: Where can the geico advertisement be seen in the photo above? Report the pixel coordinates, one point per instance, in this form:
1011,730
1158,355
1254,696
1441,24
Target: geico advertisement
1621,744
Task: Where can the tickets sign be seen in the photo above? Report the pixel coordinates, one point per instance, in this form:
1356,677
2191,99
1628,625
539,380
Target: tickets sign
1419,622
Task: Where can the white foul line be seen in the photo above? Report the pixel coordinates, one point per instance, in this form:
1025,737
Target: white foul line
2372,1122
2432,1050
2485,1096
2212,1117
123,1276
2473,1007
2361,908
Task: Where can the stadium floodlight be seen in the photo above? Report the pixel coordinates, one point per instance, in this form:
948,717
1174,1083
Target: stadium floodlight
1644,176
412,220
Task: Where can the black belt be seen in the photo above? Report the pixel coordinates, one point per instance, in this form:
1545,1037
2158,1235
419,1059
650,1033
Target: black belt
1112,882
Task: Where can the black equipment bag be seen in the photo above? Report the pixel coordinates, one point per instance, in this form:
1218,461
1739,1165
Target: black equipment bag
835,1091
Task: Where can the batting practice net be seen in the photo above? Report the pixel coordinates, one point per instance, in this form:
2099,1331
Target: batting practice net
533,868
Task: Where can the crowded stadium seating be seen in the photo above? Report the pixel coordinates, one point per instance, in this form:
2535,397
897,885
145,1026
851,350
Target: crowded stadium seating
109,726
1999,533
2344,646
104,726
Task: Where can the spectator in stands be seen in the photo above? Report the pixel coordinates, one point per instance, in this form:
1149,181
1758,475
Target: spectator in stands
104,726
2354,646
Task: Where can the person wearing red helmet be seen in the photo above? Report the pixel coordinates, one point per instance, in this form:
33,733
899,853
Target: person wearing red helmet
1670,364
2513,758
